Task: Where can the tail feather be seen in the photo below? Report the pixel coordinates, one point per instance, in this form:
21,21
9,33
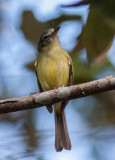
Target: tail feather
58,146
62,139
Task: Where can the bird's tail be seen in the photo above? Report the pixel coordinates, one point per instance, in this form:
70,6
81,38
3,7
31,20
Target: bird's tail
62,139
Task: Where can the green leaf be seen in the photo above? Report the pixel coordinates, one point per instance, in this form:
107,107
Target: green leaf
98,36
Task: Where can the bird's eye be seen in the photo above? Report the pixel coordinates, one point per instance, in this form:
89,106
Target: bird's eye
45,37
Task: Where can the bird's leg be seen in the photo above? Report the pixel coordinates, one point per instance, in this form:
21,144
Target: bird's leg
64,104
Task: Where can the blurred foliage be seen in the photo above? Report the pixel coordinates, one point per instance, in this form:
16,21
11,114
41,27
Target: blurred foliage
32,137
57,21
106,9
84,73
32,28
97,35
102,112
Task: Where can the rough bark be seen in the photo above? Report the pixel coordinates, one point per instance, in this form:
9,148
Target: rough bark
57,95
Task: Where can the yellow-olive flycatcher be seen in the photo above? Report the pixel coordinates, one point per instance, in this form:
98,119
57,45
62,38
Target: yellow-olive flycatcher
54,69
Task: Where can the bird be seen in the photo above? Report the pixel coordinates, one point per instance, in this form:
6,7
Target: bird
54,68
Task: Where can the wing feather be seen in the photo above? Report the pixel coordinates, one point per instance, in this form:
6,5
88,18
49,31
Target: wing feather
49,107
70,80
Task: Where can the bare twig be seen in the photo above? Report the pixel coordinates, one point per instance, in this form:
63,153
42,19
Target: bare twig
57,95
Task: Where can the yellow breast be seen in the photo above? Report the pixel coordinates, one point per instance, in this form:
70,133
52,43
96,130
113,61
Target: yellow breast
52,69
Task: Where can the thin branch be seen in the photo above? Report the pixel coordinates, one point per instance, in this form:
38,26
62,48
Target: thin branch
57,95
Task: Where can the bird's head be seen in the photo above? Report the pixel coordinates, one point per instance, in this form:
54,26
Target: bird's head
48,38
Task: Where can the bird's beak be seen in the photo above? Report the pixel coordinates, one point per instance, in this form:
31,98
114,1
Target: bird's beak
56,31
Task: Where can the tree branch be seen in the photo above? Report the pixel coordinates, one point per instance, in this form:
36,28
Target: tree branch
57,95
